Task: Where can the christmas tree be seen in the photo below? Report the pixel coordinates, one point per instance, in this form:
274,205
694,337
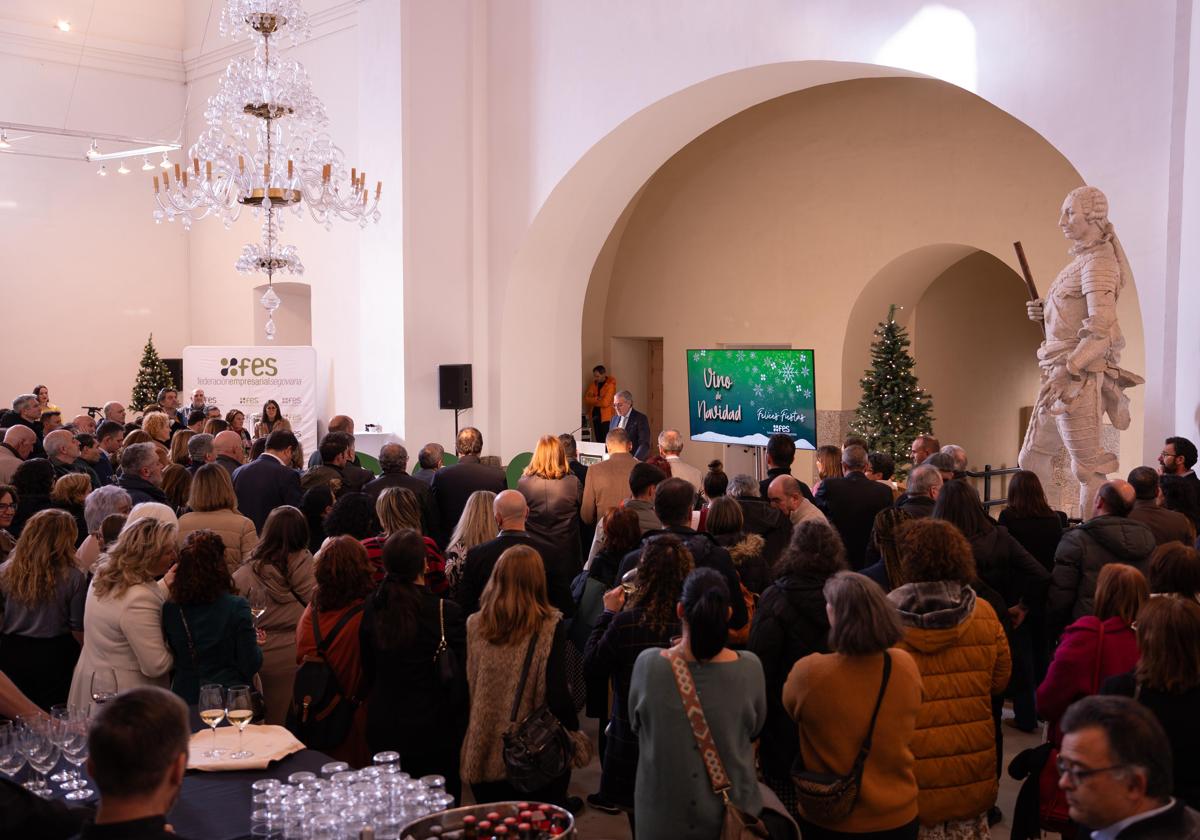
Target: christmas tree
152,376
894,409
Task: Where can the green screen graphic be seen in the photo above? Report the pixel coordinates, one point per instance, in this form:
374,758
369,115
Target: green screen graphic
745,396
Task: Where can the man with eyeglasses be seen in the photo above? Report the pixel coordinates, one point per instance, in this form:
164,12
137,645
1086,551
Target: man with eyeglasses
1115,767
1177,458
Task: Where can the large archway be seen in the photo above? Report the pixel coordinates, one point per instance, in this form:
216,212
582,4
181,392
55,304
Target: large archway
931,164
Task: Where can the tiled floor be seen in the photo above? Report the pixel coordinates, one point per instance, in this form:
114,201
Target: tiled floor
594,825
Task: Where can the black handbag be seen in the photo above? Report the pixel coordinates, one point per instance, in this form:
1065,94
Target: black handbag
537,750
829,797
445,661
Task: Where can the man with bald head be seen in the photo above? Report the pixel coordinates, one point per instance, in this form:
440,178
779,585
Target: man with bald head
785,496
1110,536
114,412
228,450
82,424
511,511
17,447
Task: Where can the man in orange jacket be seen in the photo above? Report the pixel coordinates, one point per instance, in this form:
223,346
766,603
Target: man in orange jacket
599,399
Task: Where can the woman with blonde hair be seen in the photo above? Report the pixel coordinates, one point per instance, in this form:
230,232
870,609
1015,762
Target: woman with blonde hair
398,509
515,618
214,507
42,592
70,494
553,494
476,525
829,463
178,452
270,419
158,426
122,622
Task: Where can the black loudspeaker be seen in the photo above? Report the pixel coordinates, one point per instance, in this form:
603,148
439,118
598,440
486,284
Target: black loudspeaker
176,368
454,386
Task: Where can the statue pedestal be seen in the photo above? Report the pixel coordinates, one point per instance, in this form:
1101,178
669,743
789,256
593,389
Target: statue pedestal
1062,492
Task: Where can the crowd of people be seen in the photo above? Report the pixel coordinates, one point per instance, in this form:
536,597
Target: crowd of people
856,635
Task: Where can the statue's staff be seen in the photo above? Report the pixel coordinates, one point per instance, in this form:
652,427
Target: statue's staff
1029,285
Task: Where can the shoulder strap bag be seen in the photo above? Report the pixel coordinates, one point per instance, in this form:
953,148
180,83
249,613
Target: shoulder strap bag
445,660
537,750
830,797
257,701
737,824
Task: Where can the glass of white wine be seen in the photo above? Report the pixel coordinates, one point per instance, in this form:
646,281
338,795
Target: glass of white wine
212,712
239,708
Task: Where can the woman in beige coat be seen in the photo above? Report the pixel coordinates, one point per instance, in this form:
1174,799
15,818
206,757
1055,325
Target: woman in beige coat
214,507
122,618
279,580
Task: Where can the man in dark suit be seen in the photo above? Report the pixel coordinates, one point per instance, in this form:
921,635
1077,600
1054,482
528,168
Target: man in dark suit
268,482
453,485
429,459
781,452
227,446
393,460
851,503
336,451
633,422
511,510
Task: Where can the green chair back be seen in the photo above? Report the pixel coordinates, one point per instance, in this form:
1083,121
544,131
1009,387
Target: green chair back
517,466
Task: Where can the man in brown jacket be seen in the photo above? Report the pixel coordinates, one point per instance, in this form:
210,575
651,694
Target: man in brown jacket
607,483
1166,525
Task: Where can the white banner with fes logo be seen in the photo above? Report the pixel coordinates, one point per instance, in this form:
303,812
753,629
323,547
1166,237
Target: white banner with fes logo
246,377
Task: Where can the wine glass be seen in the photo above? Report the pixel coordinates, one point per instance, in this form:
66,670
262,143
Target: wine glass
75,751
104,685
258,603
239,708
212,712
11,757
46,756
61,713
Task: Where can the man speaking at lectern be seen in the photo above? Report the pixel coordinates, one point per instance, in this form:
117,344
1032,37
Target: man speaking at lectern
633,422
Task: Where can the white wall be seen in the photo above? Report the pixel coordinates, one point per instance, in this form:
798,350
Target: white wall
85,274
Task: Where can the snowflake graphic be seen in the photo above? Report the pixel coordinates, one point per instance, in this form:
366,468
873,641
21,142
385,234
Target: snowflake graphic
753,355
801,418
753,403
804,370
703,353
695,357
741,355
762,377
799,389
787,373
758,390
772,364
807,394
770,389
717,395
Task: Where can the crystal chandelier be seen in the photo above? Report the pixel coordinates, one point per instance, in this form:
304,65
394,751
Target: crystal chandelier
265,146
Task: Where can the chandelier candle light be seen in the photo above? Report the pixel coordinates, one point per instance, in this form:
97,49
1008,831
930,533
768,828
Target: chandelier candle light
265,146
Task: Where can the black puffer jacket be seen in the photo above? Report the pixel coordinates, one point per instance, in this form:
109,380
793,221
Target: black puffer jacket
1005,566
790,623
1083,552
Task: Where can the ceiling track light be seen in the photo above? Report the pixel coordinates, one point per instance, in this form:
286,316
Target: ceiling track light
123,169
147,166
4,144
93,151
166,162
102,171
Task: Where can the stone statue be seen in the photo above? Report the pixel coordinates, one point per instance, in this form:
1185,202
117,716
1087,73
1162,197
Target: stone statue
1081,377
